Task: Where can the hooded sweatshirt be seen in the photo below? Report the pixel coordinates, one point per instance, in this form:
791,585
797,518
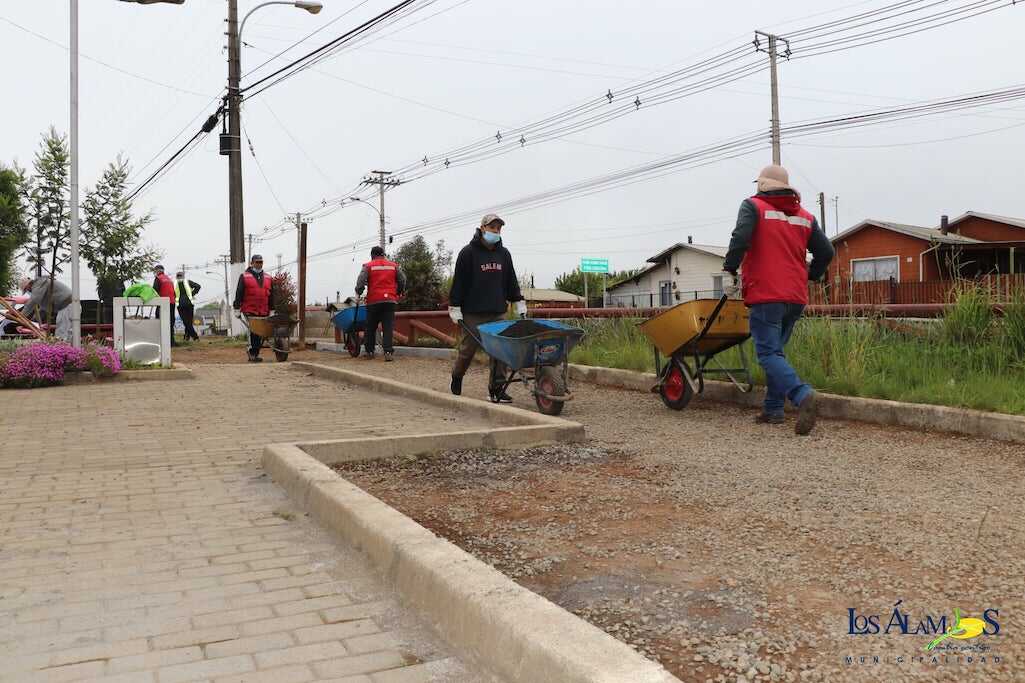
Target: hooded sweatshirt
484,281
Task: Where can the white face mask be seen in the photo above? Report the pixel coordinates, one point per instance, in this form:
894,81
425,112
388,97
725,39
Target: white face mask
257,270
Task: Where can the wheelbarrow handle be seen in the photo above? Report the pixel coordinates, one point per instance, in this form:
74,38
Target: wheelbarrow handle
469,331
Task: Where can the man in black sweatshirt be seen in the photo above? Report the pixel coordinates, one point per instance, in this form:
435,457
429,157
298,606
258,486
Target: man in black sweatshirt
483,284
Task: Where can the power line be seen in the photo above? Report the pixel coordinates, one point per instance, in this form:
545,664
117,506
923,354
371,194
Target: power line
270,188
102,63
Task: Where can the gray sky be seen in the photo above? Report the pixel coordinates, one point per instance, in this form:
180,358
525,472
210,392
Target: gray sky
511,63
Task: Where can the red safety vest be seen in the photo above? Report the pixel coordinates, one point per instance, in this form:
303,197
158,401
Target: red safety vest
382,280
166,287
775,269
256,298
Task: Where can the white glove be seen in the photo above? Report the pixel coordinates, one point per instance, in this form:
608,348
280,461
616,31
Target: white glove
521,308
732,289
455,313
238,314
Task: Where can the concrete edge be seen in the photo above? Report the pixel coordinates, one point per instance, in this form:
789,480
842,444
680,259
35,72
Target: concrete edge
332,452
154,375
502,414
921,416
519,634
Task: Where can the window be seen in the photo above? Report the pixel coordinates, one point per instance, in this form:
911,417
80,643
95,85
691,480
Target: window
665,293
875,269
717,286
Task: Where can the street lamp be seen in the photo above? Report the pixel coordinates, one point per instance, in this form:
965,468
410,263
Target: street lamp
365,203
311,7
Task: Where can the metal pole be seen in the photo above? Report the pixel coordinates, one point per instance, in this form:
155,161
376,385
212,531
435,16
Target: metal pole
76,309
250,237
302,286
380,192
236,229
604,288
585,290
775,100
298,235
225,259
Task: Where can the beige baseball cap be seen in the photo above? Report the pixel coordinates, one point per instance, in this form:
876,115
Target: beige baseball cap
773,177
490,218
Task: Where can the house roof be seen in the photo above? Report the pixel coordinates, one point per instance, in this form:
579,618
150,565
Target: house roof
638,276
916,231
1016,222
538,294
711,250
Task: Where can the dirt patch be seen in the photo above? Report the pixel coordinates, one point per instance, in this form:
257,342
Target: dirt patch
711,589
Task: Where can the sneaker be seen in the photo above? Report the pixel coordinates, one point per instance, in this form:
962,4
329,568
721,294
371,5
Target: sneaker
389,356
766,419
457,385
369,355
501,397
807,414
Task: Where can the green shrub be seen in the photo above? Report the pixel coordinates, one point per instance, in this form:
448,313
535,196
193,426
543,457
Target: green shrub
970,317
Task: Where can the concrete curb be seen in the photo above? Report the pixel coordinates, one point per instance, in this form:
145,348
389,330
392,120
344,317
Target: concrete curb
413,351
155,375
517,633
503,414
877,411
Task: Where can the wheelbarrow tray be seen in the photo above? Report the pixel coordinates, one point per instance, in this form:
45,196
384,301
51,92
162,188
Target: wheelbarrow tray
271,326
549,347
679,329
347,317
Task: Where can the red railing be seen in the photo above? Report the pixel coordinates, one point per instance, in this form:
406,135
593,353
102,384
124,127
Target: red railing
1001,288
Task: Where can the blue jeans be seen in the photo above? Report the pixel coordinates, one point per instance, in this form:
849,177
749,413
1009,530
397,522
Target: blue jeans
771,327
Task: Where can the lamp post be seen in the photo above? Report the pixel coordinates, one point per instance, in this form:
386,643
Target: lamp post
377,211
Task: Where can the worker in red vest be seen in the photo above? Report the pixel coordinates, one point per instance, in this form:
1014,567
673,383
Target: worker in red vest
770,246
165,287
385,283
253,297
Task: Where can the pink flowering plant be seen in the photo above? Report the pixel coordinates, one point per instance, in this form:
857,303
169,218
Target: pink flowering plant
43,364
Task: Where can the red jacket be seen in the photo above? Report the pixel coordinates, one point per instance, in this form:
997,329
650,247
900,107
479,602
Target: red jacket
256,297
774,269
165,287
382,281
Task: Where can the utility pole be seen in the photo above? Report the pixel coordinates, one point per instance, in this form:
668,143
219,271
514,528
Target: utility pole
822,212
298,235
773,51
231,143
279,262
585,290
225,260
382,179
302,286
836,210
249,238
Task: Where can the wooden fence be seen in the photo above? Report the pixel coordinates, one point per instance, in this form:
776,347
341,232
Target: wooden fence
1001,288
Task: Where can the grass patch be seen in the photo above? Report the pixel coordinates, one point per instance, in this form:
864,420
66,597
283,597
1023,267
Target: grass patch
971,359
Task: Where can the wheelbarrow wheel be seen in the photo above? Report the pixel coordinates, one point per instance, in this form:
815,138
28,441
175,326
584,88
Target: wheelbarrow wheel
352,343
549,382
675,390
281,349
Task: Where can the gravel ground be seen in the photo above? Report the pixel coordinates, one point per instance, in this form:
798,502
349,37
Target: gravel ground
731,551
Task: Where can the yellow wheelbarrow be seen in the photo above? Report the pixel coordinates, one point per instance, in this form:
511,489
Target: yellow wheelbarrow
690,335
277,329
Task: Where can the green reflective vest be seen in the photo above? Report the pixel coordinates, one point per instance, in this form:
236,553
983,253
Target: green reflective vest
188,290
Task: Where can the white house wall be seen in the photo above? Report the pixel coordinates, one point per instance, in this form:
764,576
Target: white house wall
697,270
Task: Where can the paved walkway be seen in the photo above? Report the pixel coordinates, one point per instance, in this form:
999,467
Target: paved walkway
141,542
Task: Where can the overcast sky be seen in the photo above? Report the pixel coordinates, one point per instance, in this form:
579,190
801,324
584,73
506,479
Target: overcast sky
510,63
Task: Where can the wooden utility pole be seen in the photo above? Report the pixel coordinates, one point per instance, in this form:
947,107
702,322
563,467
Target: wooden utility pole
231,143
774,54
302,286
381,179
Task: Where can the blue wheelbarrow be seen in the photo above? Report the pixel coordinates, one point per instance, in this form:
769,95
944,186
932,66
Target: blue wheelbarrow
352,323
539,358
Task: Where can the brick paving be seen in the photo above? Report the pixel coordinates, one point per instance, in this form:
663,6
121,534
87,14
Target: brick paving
140,542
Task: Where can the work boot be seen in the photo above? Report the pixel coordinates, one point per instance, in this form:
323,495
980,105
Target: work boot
389,356
766,419
457,385
807,414
501,397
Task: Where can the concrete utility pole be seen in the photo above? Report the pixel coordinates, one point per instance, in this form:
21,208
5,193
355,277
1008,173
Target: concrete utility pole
279,262
822,212
836,211
302,286
773,51
236,228
249,253
382,179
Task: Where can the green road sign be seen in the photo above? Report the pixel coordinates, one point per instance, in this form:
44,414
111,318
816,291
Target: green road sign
594,265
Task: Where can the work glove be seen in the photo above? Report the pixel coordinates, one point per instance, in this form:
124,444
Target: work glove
455,313
732,289
521,308
238,314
